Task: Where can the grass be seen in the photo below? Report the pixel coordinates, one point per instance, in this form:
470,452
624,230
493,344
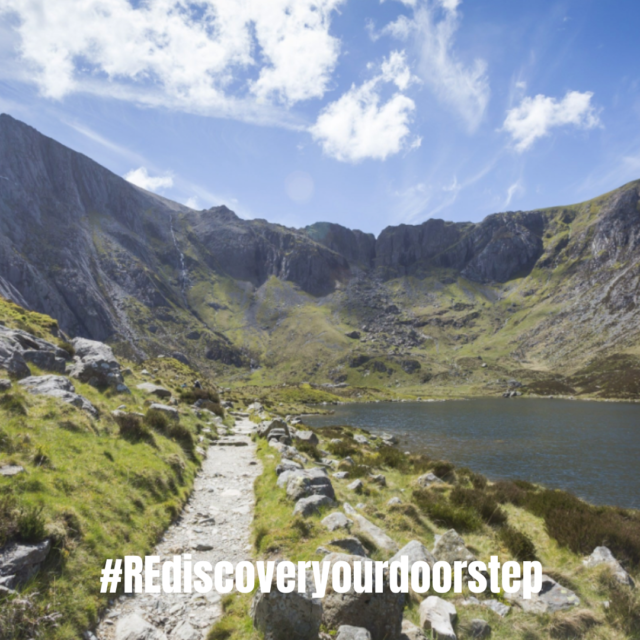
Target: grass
98,488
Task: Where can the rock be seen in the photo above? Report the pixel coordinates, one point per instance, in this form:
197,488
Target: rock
379,613
135,627
19,562
438,615
184,631
57,387
416,552
287,616
378,479
496,606
394,500
411,632
5,384
361,439
341,475
346,632
427,480
354,335
46,360
356,485
551,598
307,482
389,439
308,506
171,412
12,361
307,436
95,364
478,628
377,535
288,465
154,389
450,547
350,545
602,555
9,470
275,430
337,520
180,357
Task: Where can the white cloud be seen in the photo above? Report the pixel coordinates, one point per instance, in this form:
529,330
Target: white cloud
535,117
360,125
432,30
513,189
193,203
141,178
228,56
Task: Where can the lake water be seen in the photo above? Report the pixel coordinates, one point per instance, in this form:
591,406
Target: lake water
589,448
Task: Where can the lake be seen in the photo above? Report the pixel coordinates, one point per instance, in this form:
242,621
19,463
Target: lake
589,448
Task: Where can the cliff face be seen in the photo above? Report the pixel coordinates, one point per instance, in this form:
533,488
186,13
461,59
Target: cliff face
110,261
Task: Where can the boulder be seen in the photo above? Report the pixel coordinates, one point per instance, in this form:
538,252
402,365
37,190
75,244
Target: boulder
360,439
285,616
499,608
602,555
347,632
288,465
308,506
411,632
377,535
350,545
134,627
341,475
19,562
154,389
185,631
9,470
415,552
307,482
171,412
379,613
378,479
427,480
354,335
57,387
337,520
478,628
5,384
12,361
450,547
95,364
552,597
357,486
437,615
275,430
19,347
307,436
46,360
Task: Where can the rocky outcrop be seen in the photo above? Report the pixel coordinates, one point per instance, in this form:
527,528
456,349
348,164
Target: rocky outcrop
552,597
18,348
450,547
135,627
377,535
20,562
95,364
57,387
603,556
357,247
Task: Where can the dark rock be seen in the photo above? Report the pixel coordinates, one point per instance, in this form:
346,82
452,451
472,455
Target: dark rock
19,562
350,545
57,387
180,357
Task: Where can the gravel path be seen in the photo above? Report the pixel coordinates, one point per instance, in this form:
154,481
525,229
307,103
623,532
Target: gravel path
218,515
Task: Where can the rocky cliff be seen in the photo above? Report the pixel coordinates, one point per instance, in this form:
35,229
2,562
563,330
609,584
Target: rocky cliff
541,291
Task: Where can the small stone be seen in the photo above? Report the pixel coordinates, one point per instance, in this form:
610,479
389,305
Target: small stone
11,470
341,475
411,632
5,384
312,504
378,479
357,486
135,627
346,632
361,439
427,480
478,628
394,500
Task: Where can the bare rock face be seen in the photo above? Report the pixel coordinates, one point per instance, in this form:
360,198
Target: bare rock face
379,613
283,616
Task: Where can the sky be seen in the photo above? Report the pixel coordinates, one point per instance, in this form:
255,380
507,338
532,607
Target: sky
366,113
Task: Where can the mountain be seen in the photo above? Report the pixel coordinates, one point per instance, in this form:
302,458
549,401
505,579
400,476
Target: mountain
547,299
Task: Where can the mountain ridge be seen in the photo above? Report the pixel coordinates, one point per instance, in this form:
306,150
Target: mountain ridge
538,292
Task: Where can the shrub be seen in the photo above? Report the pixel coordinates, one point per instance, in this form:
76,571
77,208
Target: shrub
133,429
193,394
444,470
40,457
341,449
482,503
13,404
390,457
420,463
310,449
31,524
156,419
506,491
444,514
519,544
477,480
182,436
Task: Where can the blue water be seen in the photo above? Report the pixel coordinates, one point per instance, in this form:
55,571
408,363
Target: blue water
589,448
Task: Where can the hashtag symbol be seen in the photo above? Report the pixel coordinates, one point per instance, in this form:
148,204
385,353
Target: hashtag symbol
111,576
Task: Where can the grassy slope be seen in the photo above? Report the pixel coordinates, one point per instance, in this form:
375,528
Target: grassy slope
95,493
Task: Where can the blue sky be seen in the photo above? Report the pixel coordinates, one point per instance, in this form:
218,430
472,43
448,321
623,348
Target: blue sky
359,112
